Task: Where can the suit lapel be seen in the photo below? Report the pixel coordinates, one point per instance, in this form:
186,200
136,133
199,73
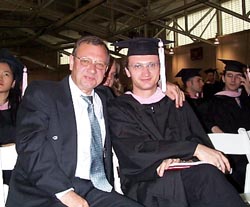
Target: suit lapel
68,128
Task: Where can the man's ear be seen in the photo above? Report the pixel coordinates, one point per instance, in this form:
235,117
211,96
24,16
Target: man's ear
71,62
127,72
223,78
189,83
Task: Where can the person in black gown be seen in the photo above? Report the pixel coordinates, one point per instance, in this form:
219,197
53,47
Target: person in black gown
149,133
229,110
193,90
211,85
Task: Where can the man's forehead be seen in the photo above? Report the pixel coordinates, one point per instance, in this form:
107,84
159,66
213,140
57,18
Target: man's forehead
233,73
144,58
195,78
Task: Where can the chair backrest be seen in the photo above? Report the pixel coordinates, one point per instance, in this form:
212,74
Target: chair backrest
117,182
238,144
8,157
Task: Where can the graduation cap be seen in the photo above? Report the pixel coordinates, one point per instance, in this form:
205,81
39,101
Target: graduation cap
210,70
187,73
15,65
233,65
141,45
147,46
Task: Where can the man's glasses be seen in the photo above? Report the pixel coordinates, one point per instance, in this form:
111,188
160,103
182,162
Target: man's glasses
150,66
86,62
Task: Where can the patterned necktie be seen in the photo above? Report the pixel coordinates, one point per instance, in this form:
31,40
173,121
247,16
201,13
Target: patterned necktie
97,173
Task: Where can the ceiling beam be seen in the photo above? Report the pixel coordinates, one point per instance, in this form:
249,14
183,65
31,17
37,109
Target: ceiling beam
214,5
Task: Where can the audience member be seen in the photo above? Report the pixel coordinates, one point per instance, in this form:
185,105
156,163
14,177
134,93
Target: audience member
229,110
149,133
193,85
10,97
193,90
111,78
211,85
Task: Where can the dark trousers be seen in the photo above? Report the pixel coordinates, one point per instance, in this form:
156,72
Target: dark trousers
199,186
97,198
206,186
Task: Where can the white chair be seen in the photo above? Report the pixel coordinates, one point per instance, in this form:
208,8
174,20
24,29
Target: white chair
8,156
238,144
117,183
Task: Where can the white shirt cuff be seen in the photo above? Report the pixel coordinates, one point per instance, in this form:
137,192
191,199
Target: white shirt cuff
61,194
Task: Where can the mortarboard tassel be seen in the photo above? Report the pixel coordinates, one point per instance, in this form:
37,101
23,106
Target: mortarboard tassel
25,80
162,66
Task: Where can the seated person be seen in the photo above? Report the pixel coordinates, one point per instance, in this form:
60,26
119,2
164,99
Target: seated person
148,133
11,70
211,85
193,89
229,110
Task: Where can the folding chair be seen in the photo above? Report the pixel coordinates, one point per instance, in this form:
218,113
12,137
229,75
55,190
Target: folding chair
117,183
8,156
237,144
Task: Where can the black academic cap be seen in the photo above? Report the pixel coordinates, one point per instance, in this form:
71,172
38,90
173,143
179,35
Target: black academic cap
187,73
141,46
15,65
233,65
210,70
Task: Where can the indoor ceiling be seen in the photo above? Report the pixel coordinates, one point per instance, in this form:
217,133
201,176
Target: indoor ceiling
56,24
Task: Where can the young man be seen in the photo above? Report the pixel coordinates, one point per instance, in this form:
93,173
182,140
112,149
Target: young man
193,90
57,138
192,81
149,133
229,110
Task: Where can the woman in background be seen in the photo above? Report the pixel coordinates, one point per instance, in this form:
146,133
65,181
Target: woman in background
112,77
11,71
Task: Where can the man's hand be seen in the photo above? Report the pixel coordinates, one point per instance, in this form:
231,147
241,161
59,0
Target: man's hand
246,83
213,157
216,129
71,199
165,165
175,93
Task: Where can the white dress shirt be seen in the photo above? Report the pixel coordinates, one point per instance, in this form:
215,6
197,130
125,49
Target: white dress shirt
84,130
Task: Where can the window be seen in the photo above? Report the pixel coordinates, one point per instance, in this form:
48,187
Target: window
207,27
64,58
231,24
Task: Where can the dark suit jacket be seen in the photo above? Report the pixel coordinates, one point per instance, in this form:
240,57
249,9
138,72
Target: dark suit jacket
47,145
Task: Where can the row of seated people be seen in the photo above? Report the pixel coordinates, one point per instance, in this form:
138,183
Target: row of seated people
224,108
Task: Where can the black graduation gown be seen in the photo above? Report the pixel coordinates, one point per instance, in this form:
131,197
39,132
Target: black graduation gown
223,111
200,107
143,135
7,135
7,128
227,114
209,89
